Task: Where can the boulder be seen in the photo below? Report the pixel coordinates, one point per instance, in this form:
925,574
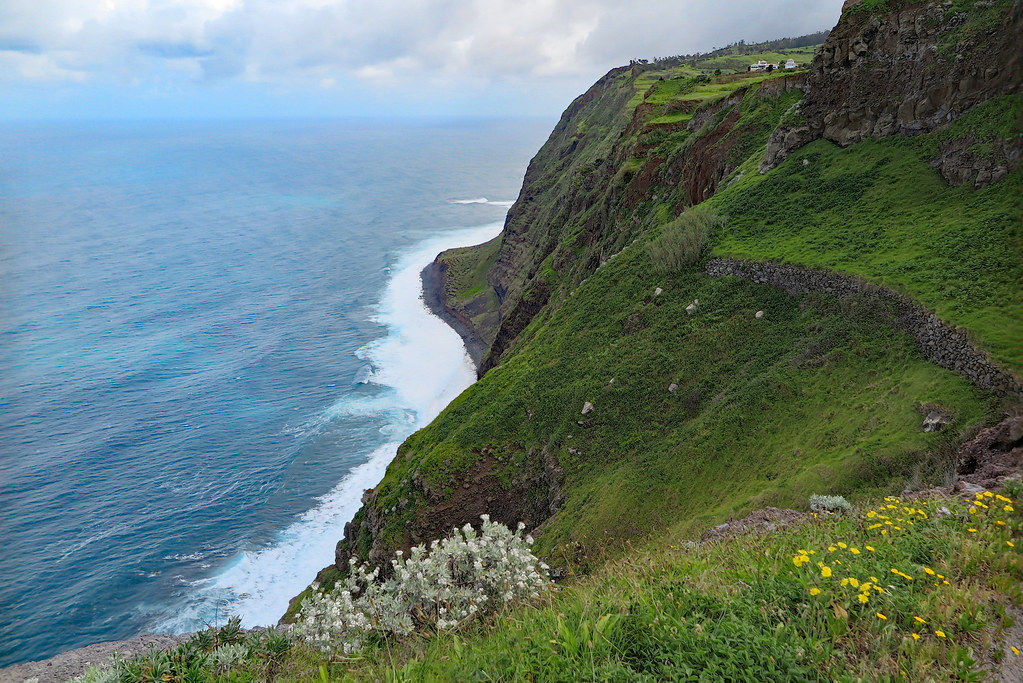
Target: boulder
935,421
658,291
758,315
587,408
673,387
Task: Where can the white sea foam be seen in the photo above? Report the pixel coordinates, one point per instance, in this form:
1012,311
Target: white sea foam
423,365
483,200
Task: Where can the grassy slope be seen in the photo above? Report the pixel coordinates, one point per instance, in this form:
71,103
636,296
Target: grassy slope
878,210
819,395
742,608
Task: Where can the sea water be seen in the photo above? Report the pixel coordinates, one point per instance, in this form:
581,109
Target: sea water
211,342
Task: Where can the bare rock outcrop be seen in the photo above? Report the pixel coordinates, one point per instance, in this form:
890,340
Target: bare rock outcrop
912,69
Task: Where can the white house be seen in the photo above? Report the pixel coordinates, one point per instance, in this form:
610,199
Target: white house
758,66
790,64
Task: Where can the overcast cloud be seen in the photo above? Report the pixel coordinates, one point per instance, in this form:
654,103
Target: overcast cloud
348,50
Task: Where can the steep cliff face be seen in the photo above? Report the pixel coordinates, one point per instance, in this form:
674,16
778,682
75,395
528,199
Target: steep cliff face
637,148
905,68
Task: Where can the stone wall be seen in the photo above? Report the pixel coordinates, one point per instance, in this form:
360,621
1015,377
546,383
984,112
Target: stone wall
941,343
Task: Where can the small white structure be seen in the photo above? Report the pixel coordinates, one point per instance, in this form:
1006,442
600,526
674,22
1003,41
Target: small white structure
790,64
760,65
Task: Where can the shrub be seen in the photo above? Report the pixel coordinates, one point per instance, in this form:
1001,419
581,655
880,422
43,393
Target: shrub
683,242
834,504
466,575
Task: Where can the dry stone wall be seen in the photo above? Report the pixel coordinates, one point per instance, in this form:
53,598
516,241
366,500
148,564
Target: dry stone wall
941,343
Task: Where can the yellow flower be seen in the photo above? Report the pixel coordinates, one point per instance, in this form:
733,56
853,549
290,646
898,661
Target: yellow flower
825,572
863,598
916,636
871,514
870,548
831,549
946,583
973,511
855,583
999,522
854,551
919,620
972,530
845,582
875,579
865,587
842,545
1008,508
1002,498
1010,544
1015,650
929,571
815,591
939,633
869,528
881,616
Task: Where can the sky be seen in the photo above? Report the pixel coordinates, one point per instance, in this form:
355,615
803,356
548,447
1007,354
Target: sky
102,59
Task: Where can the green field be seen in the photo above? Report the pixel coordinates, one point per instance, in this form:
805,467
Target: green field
879,210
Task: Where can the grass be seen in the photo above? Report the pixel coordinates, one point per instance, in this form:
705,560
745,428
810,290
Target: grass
941,580
820,394
878,210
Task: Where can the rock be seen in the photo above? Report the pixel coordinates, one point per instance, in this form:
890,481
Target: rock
806,162
935,421
696,301
758,315
587,408
691,308
658,291
673,387
969,487
611,382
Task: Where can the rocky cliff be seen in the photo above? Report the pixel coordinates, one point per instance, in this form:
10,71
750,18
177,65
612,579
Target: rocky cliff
905,68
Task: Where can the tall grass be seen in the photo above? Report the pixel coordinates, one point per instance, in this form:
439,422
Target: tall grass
684,241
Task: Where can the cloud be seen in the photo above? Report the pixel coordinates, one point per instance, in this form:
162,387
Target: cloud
289,40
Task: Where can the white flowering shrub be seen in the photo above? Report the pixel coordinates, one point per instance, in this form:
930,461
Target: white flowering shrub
834,504
454,580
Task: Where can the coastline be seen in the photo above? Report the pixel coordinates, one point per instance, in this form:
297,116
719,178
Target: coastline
74,662
432,277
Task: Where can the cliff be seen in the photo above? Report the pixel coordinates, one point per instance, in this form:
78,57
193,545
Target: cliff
906,68
620,396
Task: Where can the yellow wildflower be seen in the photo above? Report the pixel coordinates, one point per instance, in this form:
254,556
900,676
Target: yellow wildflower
973,511
870,548
916,636
831,548
842,545
999,522
815,591
1010,544
854,551
939,633
875,579
929,571
863,598
881,616
1003,498
972,530
1008,508
872,514
855,583
826,572
845,582
1015,650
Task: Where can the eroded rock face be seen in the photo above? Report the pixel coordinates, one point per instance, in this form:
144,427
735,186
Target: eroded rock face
911,70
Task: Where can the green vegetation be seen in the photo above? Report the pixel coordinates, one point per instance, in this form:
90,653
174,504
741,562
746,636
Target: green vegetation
819,394
682,242
905,590
878,210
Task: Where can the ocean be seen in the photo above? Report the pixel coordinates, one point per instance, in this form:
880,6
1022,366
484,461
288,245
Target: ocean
211,342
